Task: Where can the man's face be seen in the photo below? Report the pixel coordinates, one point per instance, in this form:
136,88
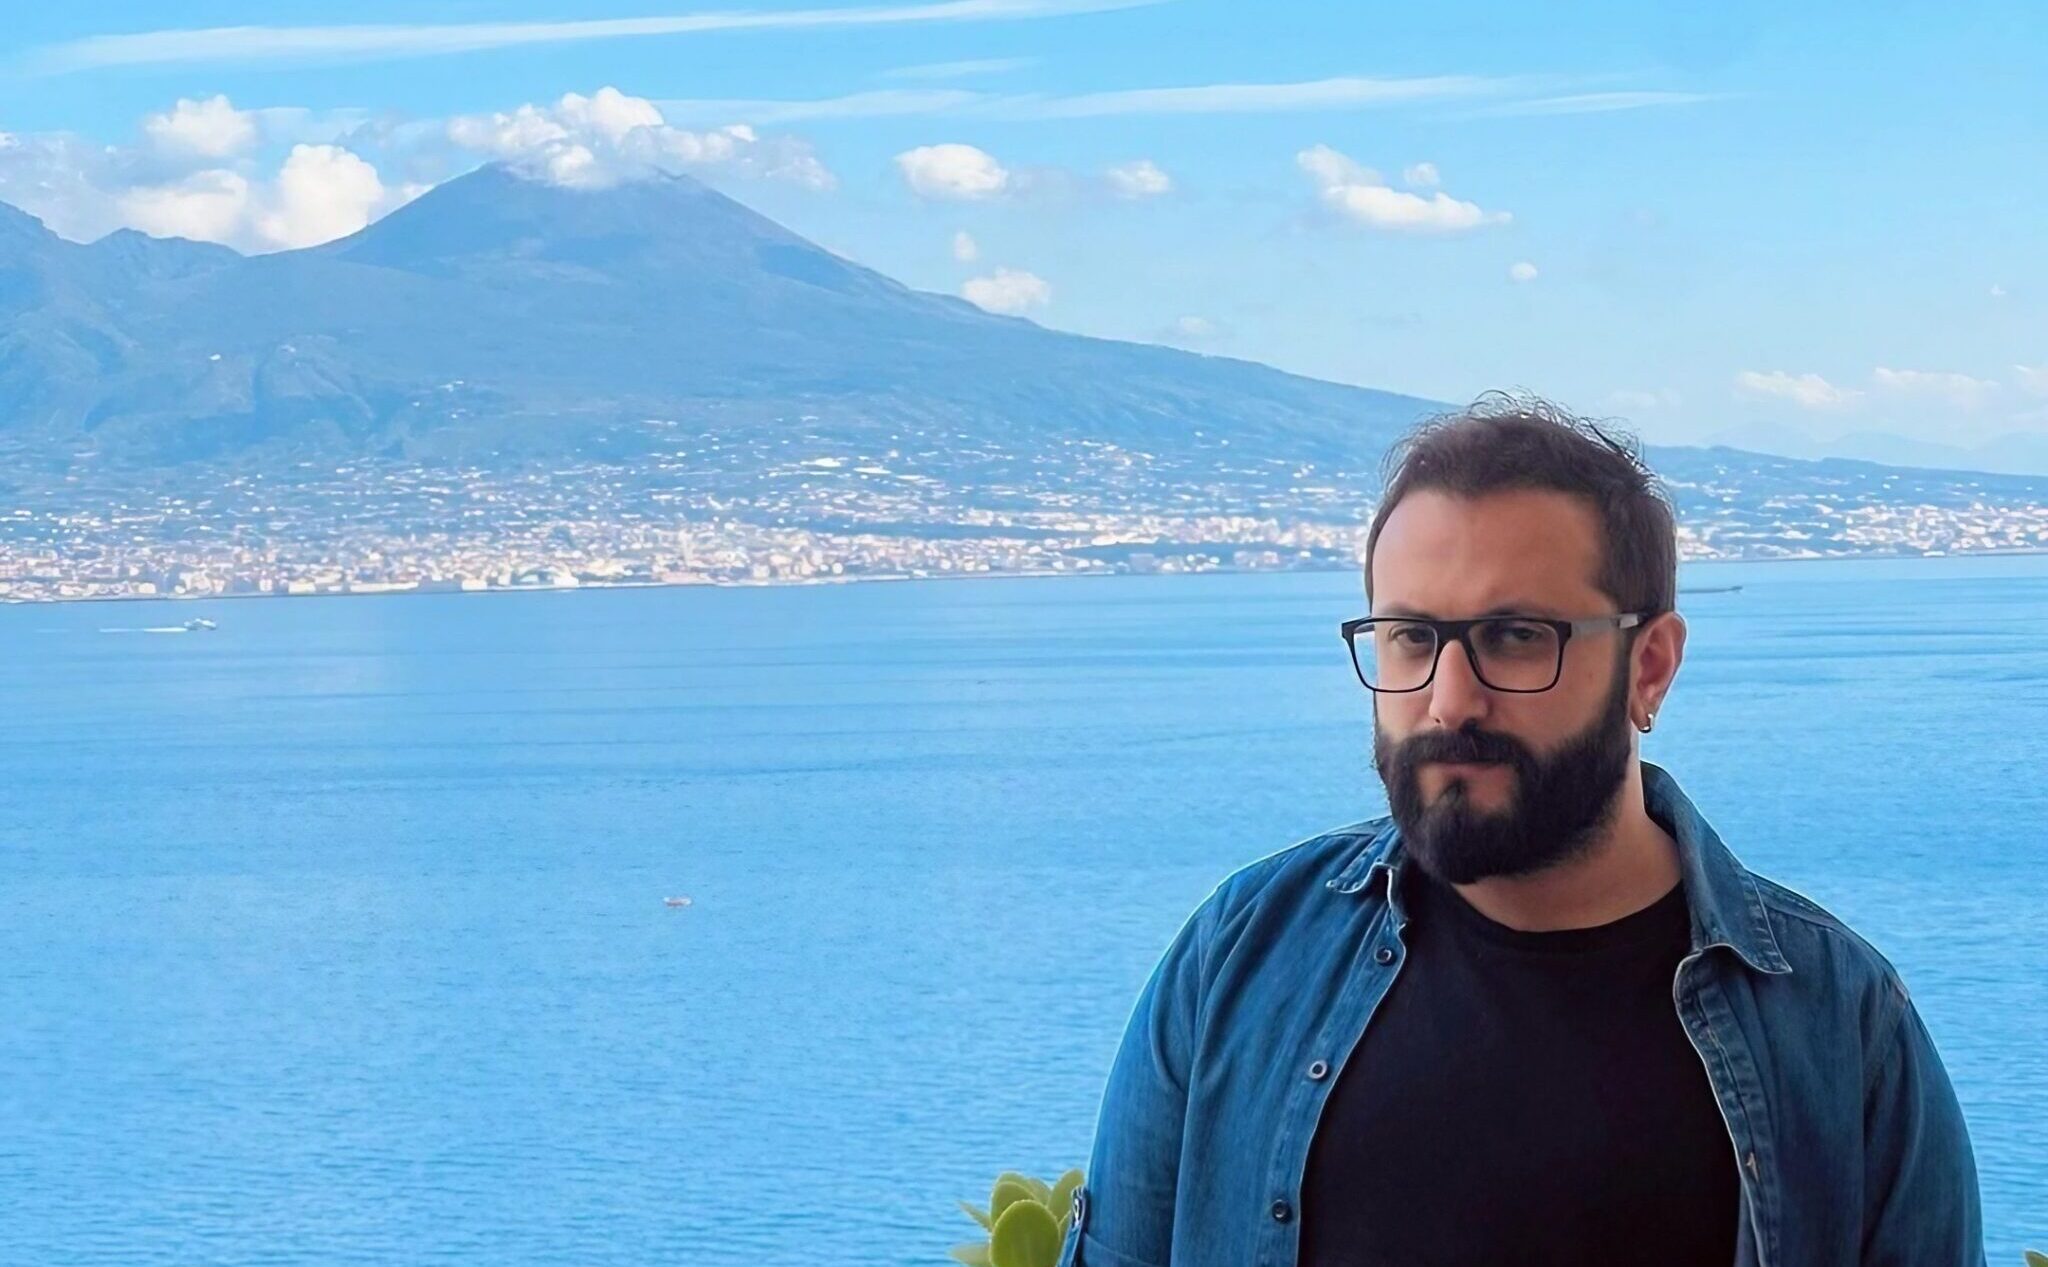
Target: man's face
1548,765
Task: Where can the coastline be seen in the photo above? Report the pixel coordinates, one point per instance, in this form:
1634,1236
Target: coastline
929,576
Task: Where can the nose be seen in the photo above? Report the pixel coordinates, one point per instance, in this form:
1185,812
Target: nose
1456,695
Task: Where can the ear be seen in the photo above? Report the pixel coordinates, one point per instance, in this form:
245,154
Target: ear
1653,662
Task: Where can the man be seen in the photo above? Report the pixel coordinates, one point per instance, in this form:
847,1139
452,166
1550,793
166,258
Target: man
1539,1013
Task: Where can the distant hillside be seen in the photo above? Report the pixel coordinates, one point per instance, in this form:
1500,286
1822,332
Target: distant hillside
497,314
510,383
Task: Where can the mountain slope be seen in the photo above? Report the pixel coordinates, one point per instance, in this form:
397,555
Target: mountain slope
496,311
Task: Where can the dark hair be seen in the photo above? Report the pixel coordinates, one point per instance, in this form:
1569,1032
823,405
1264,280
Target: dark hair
1503,442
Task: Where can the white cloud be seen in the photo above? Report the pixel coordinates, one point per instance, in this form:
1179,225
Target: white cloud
1422,176
1809,391
65,180
964,247
1384,208
212,128
2033,379
1328,167
303,44
1305,96
609,137
608,113
528,128
206,206
1957,389
197,172
1358,194
879,103
1597,103
1997,291
1140,179
1522,271
1318,94
962,69
323,192
958,172
1008,290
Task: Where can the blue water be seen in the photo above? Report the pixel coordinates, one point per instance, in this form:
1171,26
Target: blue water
337,935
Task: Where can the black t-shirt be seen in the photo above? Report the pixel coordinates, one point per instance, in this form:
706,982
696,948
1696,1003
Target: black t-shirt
1524,1098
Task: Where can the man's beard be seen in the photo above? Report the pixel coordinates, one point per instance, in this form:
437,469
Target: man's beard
1556,805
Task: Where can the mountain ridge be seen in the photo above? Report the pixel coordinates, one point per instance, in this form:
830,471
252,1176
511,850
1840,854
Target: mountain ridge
505,383
584,308
147,350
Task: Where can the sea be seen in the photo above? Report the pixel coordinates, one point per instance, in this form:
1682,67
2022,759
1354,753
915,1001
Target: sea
764,925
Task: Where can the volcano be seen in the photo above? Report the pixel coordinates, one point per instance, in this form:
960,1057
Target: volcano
497,314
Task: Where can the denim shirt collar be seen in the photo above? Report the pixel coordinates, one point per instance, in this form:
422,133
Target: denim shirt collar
1726,908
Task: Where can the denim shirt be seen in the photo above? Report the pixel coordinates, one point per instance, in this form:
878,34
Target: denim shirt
1843,1127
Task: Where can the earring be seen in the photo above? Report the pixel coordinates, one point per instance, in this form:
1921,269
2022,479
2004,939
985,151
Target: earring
1649,720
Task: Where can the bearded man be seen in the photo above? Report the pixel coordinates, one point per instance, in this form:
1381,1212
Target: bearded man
1538,1013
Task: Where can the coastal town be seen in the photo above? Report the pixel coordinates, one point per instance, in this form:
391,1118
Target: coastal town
366,527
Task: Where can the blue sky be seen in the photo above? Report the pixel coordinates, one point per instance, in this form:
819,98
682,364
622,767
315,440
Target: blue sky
1722,220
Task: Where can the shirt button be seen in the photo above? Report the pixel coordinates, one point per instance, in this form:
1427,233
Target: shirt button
1282,1211
1385,954
1318,1069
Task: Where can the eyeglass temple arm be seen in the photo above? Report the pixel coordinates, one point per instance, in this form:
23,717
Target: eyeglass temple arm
1623,620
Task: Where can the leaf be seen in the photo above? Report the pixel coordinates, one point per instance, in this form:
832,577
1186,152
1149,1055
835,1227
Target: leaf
975,1255
2036,1259
1009,1188
1062,1202
1026,1235
978,1216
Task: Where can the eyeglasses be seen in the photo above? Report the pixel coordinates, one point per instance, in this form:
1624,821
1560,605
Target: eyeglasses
1395,654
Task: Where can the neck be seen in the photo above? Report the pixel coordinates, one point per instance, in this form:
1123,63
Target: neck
1629,865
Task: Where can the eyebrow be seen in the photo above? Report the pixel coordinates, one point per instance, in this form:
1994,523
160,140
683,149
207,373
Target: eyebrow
1500,609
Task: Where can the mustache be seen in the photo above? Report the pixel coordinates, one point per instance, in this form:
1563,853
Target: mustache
1461,745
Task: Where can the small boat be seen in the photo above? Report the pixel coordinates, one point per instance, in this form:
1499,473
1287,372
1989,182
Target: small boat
675,901
198,623
1709,589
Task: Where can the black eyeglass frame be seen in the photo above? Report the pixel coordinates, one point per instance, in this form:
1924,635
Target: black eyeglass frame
1461,630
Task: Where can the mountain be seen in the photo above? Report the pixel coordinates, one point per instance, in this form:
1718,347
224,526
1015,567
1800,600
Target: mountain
2015,453
679,350
507,383
499,315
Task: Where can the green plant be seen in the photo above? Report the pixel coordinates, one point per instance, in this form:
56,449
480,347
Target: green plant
1026,1222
